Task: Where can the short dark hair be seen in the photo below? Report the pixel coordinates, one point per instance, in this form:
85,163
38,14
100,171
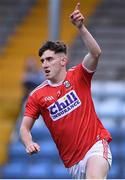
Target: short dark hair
56,46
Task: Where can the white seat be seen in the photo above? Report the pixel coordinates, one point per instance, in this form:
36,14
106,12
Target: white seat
111,107
114,89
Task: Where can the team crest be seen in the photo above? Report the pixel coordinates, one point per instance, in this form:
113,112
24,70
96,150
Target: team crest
67,84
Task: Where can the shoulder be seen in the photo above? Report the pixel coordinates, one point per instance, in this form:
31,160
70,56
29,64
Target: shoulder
39,88
72,69
80,72
81,67
75,68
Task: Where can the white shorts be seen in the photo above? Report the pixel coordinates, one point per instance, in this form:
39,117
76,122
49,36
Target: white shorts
100,148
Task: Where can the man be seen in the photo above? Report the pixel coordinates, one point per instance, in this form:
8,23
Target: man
65,103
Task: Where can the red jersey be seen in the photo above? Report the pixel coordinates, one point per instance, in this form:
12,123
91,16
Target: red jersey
69,114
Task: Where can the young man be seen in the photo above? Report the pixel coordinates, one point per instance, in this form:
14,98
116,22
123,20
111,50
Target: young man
65,103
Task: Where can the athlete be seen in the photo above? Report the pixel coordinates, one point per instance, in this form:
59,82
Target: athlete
64,100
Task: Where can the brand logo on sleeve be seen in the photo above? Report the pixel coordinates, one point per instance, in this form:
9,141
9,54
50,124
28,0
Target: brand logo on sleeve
64,105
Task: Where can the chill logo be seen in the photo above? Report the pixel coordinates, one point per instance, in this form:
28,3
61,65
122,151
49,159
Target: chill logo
64,105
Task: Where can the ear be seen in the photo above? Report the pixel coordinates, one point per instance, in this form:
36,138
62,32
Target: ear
64,61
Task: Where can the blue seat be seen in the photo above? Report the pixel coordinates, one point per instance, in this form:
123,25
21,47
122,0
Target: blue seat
48,150
115,149
37,129
122,149
45,133
59,171
17,151
39,171
122,133
123,171
1,172
115,133
114,172
40,131
111,107
14,170
96,90
113,89
109,122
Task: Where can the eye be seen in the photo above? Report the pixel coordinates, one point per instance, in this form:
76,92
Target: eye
49,59
42,60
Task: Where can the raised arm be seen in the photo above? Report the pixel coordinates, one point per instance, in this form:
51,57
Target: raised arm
90,61
26,137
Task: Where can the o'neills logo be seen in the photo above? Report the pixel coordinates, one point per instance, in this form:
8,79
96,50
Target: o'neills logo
64,105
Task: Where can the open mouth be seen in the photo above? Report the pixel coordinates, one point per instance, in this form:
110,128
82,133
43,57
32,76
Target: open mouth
47,71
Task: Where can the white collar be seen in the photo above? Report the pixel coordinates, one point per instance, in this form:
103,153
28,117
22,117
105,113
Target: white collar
54,84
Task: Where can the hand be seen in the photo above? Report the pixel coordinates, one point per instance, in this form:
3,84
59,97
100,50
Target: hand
32,148
77,17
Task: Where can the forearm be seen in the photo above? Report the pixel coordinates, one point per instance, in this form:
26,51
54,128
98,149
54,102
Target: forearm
25,136
90,42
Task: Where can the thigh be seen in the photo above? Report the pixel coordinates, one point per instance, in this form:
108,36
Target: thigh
99,160
97,167
96,162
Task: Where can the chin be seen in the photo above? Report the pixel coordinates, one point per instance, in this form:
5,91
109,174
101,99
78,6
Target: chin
49,78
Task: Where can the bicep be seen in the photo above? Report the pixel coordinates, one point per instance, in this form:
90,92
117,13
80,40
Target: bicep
90,62
27,122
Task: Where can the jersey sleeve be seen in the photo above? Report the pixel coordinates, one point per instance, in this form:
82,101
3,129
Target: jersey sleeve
83,73
32,108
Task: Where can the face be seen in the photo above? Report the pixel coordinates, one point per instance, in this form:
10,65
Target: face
53,65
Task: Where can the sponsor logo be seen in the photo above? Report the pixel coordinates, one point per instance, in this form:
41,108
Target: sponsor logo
64,105
48,98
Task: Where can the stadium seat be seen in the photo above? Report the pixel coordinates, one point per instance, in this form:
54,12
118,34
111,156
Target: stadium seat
114,171
111,125
123,171
123,123
59,171
111,107
45,133
40,134
40,131
39,171
113,90
17,151
123,109
97,104
48,150
121,149
14,170
122,132
109,122
115,149
1,172
37,132
98,89
115,133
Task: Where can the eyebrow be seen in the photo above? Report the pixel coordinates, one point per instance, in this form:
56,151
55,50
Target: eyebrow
47,58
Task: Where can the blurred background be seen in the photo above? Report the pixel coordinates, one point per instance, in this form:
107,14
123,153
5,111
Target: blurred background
24,26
